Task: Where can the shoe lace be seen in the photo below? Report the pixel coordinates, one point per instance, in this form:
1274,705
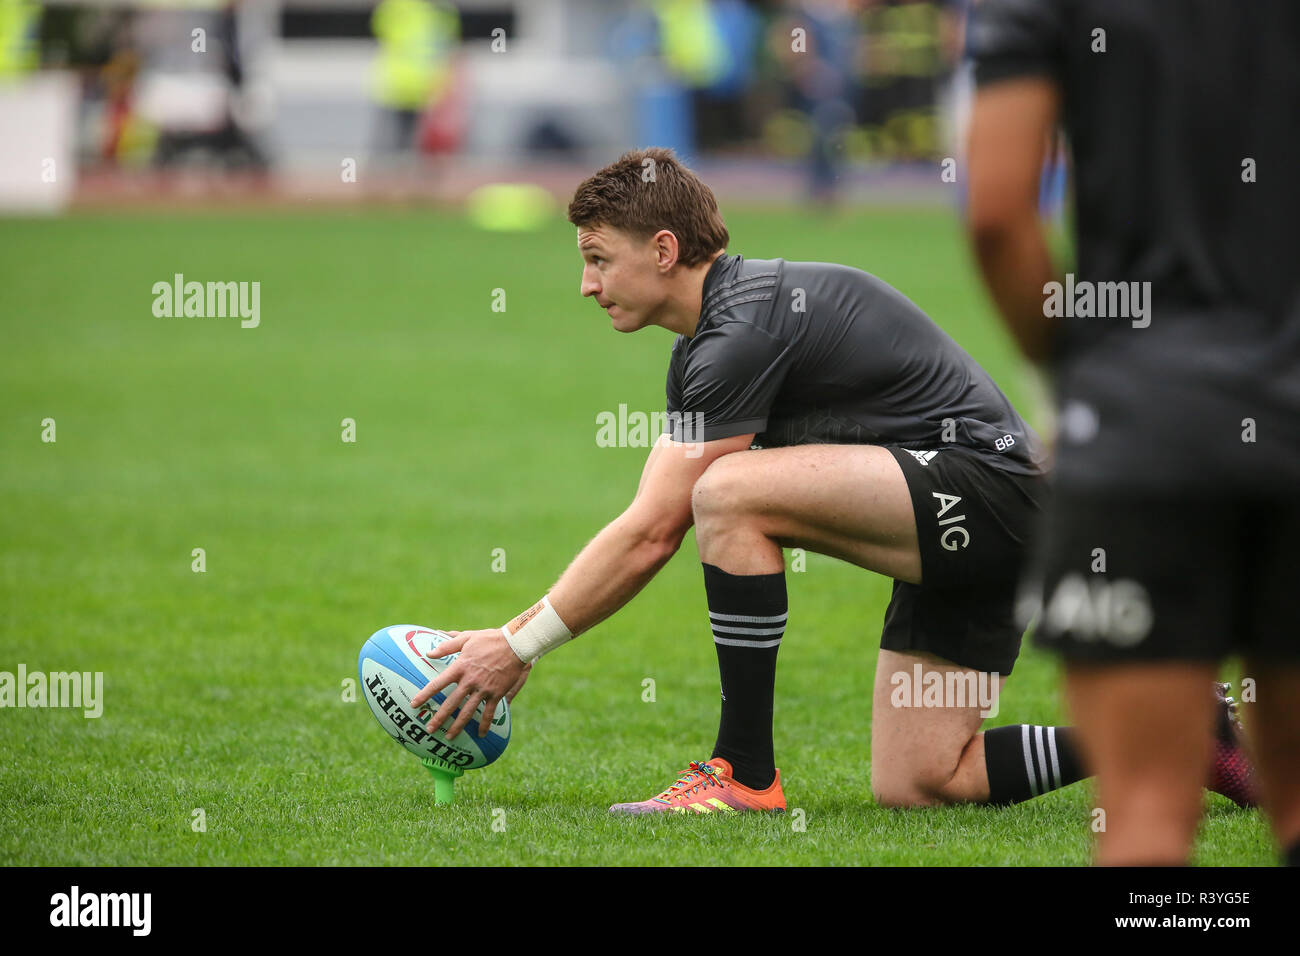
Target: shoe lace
1229,729
691,780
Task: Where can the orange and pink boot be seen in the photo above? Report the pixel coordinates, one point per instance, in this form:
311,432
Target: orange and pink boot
1231,773
708,788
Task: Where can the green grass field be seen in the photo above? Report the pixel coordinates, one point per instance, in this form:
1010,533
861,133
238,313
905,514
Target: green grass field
475,431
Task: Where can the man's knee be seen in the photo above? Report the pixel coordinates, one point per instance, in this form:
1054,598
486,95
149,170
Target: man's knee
899,794
720,490
922,783
907,786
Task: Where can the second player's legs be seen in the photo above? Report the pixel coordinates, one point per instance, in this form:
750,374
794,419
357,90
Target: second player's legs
1147,732
1274,725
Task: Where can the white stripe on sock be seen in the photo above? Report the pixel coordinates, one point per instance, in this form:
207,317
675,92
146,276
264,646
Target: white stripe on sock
757,631
1042,759
1029,759
730,642
748,619
1056,767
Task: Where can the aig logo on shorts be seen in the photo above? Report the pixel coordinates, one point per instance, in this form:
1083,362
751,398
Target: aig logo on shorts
1118,612
955,535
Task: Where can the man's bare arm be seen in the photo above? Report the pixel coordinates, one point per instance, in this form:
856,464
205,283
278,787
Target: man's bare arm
1011,125
655,451
621,560
606,574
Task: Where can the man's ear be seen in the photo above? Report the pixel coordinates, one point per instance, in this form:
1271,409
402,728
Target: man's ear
665,248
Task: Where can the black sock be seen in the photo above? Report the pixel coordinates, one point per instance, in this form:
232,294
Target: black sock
1027,761
747,613
1291,856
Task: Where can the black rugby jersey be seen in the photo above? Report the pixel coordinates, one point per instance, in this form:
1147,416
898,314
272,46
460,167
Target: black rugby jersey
816,353
1183,118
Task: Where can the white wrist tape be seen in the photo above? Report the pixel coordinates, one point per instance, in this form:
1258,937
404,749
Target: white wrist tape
536,632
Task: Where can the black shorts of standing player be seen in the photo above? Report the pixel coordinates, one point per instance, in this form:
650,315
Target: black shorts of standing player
1128,578
975,525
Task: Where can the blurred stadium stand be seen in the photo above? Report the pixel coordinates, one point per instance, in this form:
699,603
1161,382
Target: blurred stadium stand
284,90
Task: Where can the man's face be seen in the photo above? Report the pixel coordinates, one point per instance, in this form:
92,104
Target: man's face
622,274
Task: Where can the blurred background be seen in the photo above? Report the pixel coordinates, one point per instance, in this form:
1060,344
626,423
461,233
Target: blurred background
820,100
215,511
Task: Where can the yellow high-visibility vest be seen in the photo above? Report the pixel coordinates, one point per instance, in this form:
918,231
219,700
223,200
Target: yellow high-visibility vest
416,42
690,42
18,50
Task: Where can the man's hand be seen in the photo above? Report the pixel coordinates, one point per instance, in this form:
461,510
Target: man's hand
486,670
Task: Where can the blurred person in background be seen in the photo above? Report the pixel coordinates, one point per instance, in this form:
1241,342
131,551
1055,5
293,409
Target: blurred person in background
234,139
721,115
19,51
197,103
415,69
117,79
1176,356
816,41
690,64
694,56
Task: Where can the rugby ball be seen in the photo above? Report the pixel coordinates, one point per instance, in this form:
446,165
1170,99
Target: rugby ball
394,667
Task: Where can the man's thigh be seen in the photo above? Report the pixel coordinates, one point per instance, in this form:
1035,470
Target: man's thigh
847,501
952,531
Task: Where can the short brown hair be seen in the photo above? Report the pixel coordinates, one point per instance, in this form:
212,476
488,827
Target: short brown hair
647,190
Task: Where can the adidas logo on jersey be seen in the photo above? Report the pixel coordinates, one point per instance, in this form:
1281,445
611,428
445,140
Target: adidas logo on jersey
923,457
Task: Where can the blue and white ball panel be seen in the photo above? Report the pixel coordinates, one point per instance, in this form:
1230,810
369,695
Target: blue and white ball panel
393,669
417,642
